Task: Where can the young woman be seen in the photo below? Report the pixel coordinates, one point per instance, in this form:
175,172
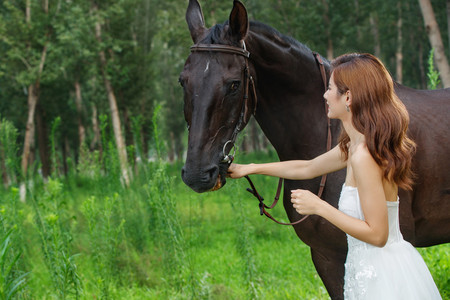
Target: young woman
377,153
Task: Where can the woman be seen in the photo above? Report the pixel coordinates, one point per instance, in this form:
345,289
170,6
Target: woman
377,153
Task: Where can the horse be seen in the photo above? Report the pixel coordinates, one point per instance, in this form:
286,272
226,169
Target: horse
239,68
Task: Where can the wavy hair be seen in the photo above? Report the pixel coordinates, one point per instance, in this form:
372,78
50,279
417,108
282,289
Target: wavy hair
378,114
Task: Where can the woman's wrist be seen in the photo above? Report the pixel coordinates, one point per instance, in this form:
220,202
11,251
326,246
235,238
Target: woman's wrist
323,208
251,168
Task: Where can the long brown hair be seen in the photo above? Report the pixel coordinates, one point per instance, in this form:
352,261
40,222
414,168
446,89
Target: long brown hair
377,113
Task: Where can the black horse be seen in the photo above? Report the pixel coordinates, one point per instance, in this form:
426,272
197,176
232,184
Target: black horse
236,69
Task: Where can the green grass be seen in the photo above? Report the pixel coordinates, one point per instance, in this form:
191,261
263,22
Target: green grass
88,238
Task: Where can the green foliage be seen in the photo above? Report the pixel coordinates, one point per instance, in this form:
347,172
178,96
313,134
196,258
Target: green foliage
433,75
83,235
159,240
11,281
8,150
166,226
105,229
52,224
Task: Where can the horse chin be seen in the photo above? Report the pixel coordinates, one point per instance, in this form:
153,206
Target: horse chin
219,183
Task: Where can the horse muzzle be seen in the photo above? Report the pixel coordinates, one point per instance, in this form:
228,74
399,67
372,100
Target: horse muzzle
205,179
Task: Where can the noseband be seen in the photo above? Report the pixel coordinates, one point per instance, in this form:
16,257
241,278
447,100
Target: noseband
227,158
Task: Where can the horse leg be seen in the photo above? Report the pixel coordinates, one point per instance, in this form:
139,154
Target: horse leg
330,266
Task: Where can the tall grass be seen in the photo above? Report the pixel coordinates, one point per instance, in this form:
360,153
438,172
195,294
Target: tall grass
85,236
52,223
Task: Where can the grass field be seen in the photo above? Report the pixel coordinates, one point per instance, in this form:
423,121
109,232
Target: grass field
85,237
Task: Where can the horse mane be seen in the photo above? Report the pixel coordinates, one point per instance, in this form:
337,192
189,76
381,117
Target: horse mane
216,36
270,32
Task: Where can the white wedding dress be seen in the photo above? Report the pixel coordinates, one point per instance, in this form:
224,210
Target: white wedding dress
395,271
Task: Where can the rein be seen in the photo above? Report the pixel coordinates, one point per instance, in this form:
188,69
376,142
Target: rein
227,158
252,190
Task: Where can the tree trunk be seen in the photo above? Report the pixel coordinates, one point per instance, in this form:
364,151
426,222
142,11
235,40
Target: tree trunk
357,22
120,144
79,105
373,19
96,129
399,52
326,19
43,143
434,35
33,92
29,131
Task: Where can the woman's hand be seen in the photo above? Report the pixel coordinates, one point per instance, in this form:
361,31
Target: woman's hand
305,202
237,171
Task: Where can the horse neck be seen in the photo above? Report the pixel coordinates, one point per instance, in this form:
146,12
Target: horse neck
291,109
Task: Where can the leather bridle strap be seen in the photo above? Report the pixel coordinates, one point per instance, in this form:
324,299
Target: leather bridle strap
248,80
220,48
324,78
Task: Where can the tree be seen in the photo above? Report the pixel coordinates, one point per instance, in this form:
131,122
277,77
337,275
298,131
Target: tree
120,144
435,38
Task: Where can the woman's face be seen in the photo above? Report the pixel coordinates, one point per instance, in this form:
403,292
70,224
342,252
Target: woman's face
335,100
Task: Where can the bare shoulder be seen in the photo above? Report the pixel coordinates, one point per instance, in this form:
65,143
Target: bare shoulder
362,161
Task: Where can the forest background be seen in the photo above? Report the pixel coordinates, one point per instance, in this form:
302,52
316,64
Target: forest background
91,117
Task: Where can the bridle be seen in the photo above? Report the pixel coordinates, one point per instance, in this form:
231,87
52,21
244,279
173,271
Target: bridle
248,79
227,158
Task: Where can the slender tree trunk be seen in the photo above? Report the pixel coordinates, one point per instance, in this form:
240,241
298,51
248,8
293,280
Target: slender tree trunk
79,105
357,22
373,19
33,92
29,131
28,11
399,52
43,143
434,35
96,129
326,19
120,144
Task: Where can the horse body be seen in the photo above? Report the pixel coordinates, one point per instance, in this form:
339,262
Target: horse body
290,110
424,212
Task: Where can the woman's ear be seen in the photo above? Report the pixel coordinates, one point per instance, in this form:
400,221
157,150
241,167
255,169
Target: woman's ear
348,98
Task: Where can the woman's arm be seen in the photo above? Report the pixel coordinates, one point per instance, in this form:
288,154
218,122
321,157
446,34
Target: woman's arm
294,169
368,176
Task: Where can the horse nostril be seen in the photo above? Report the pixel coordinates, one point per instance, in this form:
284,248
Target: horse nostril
211,173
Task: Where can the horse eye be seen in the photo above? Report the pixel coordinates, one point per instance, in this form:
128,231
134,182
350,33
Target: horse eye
181,82
235,85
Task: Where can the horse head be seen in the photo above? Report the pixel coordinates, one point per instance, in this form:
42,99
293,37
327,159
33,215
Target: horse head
215,79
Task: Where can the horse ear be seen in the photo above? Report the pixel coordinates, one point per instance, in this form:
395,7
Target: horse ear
195,20
238,21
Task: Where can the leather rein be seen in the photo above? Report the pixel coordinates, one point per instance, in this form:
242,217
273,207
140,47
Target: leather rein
227,158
